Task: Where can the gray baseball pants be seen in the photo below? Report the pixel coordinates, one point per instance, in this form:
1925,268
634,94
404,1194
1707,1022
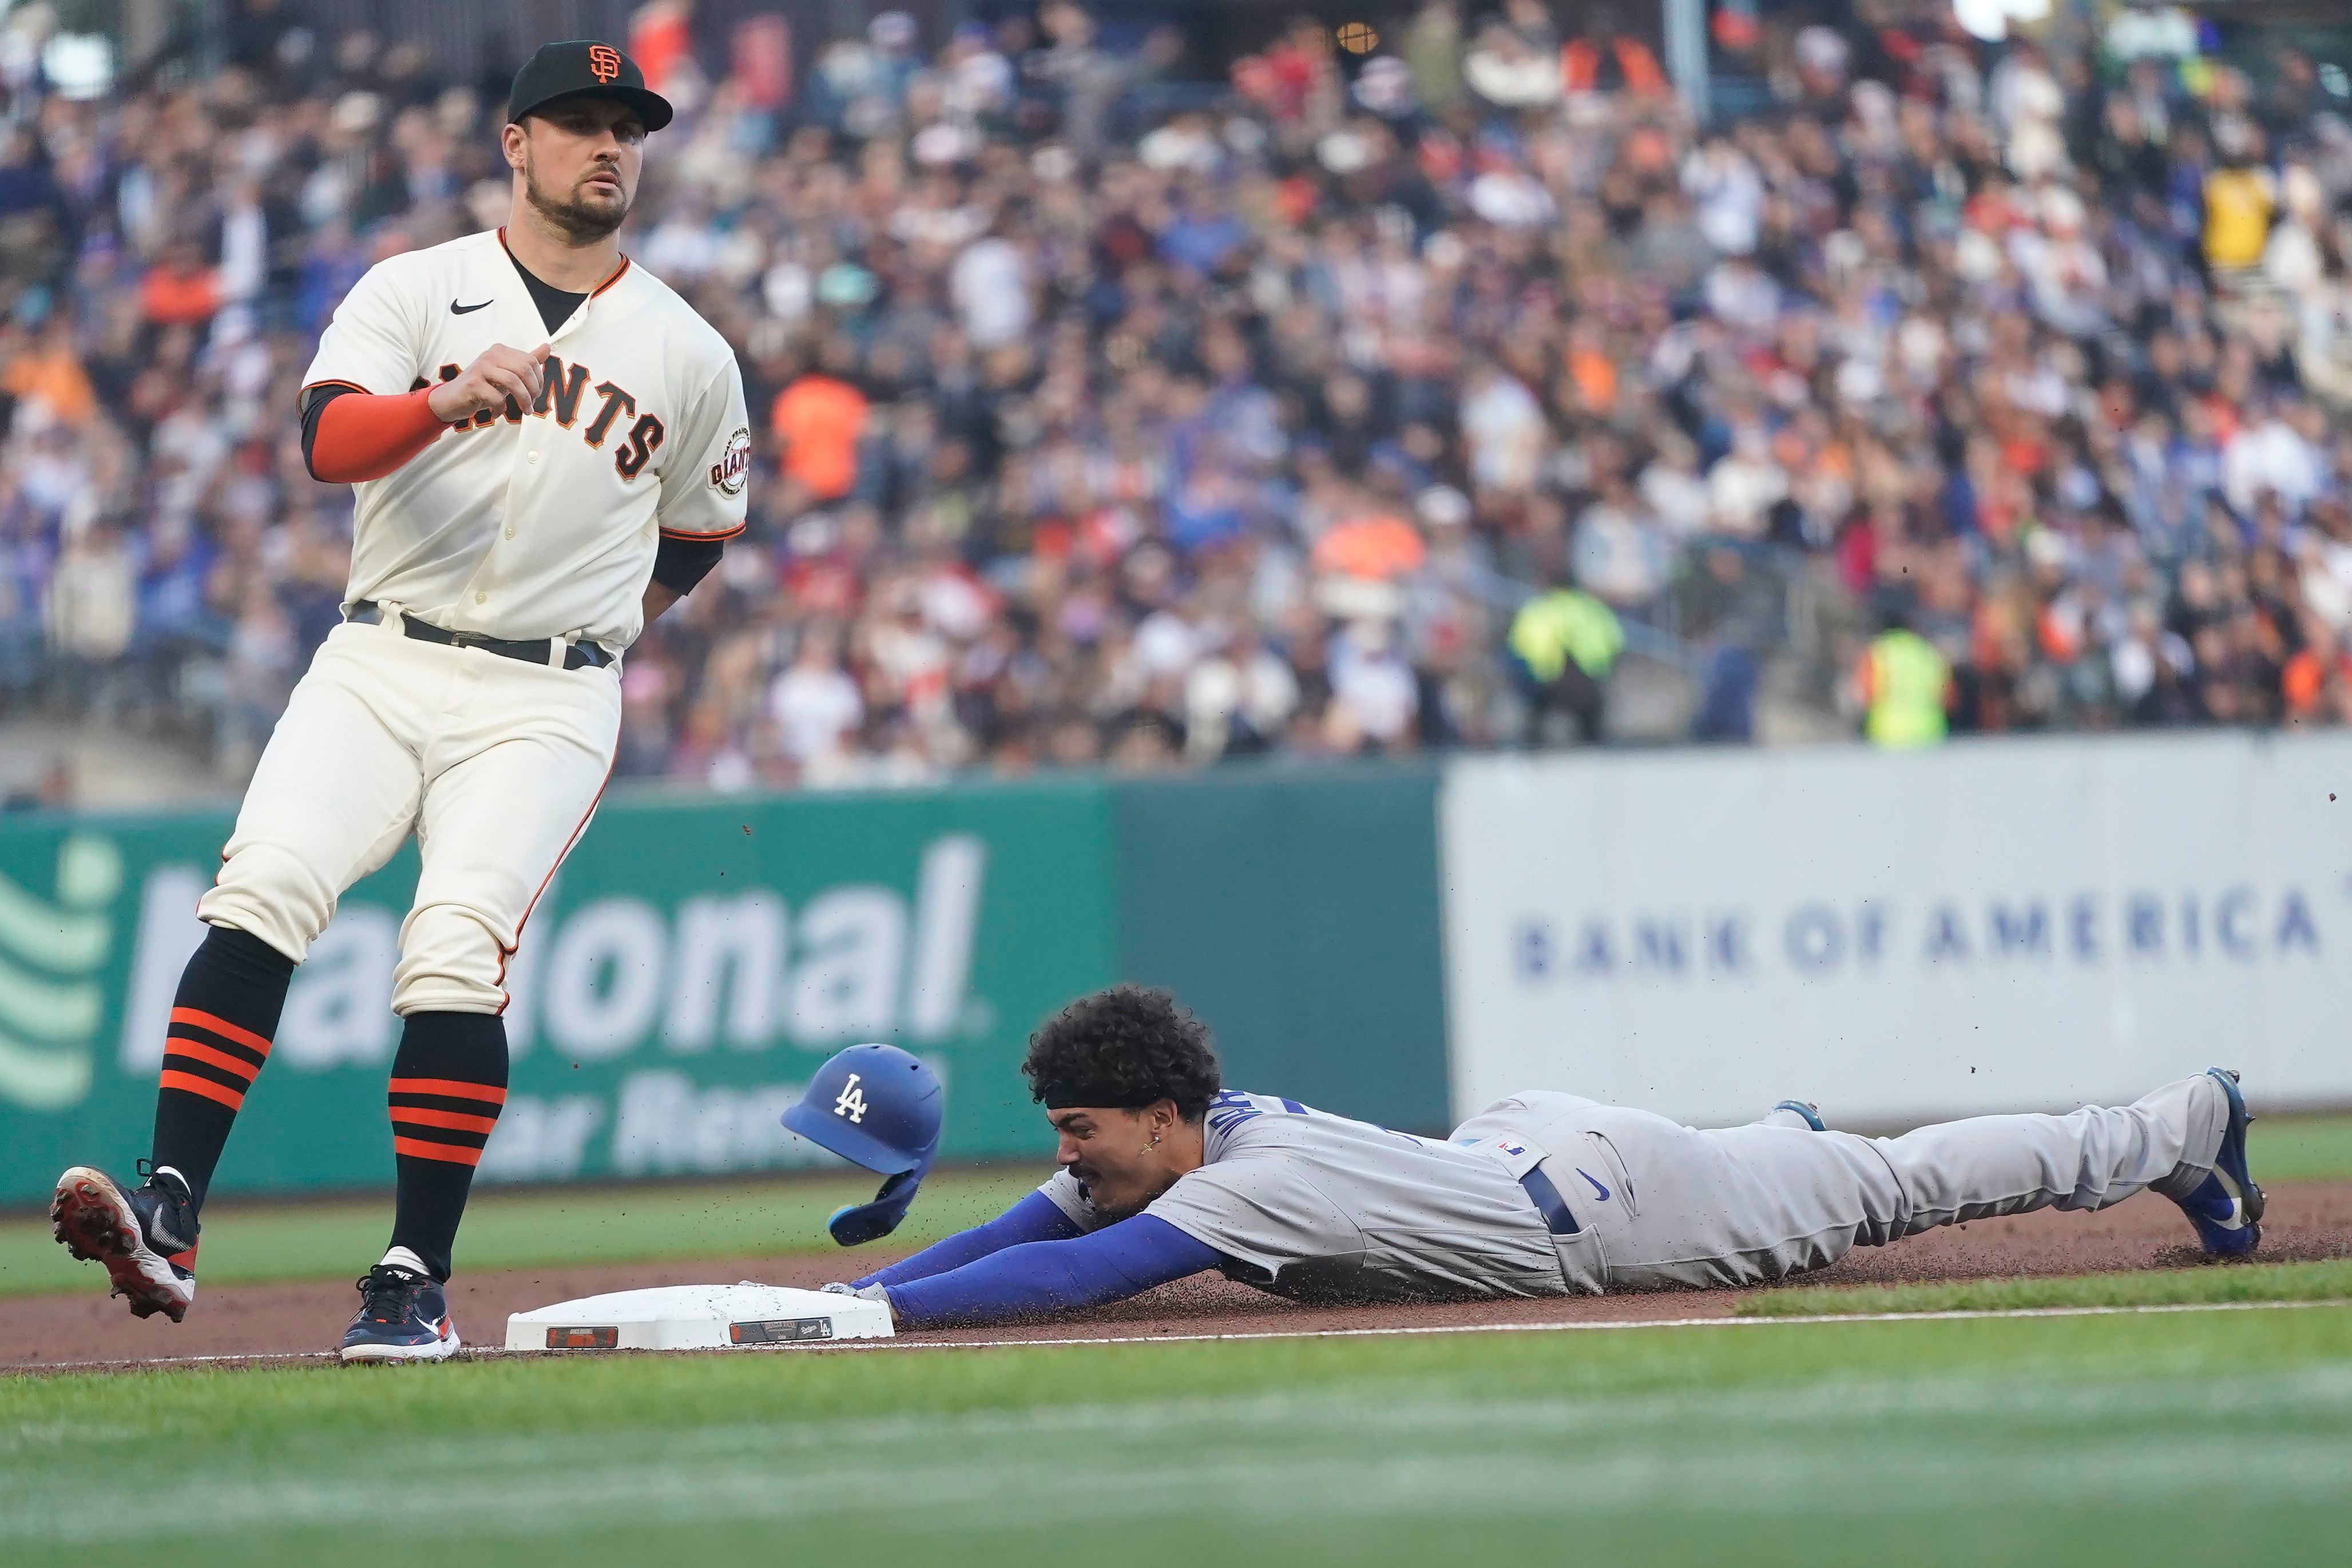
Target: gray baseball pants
1659,1204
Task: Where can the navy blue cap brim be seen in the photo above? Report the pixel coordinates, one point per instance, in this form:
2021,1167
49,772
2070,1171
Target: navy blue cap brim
864,1222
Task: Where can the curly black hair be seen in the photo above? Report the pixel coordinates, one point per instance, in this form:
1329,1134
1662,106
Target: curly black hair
1129,1047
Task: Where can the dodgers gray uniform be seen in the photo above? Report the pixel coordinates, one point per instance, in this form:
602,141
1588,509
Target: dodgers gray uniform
1318,1207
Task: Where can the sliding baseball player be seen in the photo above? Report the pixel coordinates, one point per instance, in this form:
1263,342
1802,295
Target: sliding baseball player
1166,1173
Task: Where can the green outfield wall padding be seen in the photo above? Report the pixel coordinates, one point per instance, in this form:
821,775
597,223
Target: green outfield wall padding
692,962
1296,911
698,956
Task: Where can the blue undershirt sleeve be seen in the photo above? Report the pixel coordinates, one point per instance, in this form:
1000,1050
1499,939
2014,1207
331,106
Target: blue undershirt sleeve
1040,1278
1035,1218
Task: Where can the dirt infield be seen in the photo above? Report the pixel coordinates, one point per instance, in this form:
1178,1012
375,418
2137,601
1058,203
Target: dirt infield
2306,1221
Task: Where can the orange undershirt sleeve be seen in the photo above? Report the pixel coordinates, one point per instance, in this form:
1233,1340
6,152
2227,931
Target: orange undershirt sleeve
366,435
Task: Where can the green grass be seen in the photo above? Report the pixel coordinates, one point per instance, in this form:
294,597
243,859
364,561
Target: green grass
2200,1438
2300,1148
250,1242
2211,1285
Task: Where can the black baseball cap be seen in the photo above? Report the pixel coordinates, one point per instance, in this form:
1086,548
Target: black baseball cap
582,68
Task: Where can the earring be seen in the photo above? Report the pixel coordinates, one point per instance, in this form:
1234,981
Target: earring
1155,1139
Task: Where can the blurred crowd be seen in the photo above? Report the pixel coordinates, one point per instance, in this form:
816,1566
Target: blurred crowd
1394,392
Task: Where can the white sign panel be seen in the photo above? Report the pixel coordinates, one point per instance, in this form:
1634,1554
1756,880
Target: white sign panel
2011,925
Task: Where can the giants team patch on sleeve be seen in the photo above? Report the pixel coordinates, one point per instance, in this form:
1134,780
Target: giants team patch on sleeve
734,466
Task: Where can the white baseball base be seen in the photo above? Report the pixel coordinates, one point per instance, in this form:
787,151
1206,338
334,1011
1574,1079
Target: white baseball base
698,1317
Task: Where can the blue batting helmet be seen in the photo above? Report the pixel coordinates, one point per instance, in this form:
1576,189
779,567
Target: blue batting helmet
878,1107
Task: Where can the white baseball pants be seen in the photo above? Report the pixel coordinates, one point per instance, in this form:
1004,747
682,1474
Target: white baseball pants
1742,1205
495,764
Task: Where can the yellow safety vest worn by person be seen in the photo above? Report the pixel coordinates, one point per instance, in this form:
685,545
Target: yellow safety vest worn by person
1905,680
1566,623
2237,217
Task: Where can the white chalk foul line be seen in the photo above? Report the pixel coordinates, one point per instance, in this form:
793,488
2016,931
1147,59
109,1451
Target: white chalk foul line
1401,1332
490,1353
159,1363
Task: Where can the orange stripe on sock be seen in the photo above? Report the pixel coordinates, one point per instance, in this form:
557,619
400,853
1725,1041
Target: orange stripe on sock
198,1050
193,1085
221,1027
450,1087
462,1124
449,1153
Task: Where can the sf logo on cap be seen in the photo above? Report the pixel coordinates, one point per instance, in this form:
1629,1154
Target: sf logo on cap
603,61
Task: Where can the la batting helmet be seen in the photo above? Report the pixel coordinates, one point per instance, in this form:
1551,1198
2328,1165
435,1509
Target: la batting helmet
878,1107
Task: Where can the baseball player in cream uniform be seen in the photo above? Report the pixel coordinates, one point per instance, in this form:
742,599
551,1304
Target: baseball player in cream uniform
547,447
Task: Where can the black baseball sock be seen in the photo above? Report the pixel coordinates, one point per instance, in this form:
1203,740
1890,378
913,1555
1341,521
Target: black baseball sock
448,1081
223,1019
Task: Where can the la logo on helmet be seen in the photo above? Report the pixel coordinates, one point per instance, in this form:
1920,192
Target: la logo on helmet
603,61
851,1104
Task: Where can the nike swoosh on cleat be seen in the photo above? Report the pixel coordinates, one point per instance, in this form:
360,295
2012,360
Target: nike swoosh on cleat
457,309
2237,1198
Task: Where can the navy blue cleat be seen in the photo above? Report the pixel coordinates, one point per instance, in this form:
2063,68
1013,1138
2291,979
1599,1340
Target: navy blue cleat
1788,1113
403,1316
146,1235
2226,1206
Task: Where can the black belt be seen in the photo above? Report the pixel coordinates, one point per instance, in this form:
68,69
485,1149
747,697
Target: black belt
1548,1203
581,655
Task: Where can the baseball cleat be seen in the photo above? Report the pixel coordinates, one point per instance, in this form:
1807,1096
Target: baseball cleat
403,1316
1793,1113
146,1237
2226,1206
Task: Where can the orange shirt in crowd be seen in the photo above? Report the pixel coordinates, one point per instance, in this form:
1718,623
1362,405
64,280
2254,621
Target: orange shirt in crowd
1376,549
2303,682
659,41
174,299
1581,62
2024,453
1595,375
56,377
817,421
2224,414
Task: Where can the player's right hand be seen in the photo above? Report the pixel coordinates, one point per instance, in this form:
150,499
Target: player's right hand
501,373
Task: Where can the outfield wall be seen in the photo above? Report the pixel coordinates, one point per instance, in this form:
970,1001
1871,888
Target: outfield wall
698,956
1994,925
1298,912
686,969
1998,924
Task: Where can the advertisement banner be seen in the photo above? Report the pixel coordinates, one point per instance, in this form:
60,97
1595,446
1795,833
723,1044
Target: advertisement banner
2012,924
691,963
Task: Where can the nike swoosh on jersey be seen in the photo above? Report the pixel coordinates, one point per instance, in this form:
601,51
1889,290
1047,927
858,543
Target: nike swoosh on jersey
1596,1185
457,309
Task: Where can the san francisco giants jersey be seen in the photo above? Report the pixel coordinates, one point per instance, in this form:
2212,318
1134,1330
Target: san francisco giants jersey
1317,1207
539,521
